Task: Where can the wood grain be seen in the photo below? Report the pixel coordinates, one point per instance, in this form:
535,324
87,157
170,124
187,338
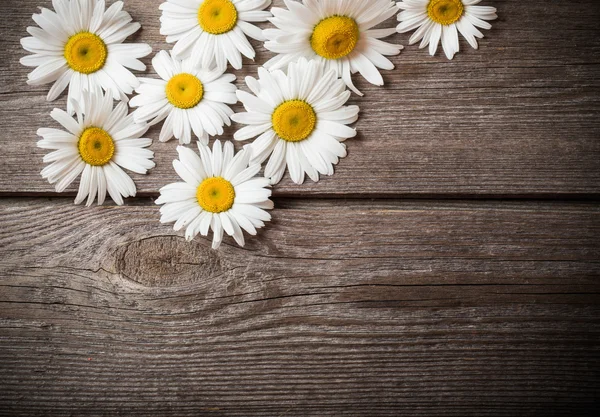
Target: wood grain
435,305
378,308
518,117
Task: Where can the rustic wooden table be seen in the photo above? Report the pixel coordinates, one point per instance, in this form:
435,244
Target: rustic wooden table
450,267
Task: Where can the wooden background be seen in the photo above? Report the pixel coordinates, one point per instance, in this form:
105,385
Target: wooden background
450,267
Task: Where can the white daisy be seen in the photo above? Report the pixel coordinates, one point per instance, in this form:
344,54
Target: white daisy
299,118
213,31
189,97
437,20
338,33
220,191
81,45
96,145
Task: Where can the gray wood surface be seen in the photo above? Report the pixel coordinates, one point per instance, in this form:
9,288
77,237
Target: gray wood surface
454,308
520,116
407,284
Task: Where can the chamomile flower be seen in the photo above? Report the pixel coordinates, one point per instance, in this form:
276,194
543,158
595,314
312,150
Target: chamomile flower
213,31
80,45
338,33
96,145
437,20
189,97
299,118
219,192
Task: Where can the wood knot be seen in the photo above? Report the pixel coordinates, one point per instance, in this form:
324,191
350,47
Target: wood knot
167,261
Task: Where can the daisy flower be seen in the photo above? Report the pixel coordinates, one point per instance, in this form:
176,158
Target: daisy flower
437,20
338,33
189,97
213,31
299,118
96,145
219,192
80,45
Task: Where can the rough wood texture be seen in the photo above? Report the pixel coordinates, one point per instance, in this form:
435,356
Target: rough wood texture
341,307
441,309
520,116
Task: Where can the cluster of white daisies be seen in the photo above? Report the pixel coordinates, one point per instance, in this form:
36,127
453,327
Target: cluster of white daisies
296,109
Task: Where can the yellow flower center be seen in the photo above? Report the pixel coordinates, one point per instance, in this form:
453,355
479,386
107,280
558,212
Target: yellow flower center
85,52
184,91
215,195
294,120
96,146
335,37
445,12
217,16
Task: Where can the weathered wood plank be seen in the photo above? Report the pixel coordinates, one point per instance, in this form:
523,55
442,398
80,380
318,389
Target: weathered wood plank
518,117
363,308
